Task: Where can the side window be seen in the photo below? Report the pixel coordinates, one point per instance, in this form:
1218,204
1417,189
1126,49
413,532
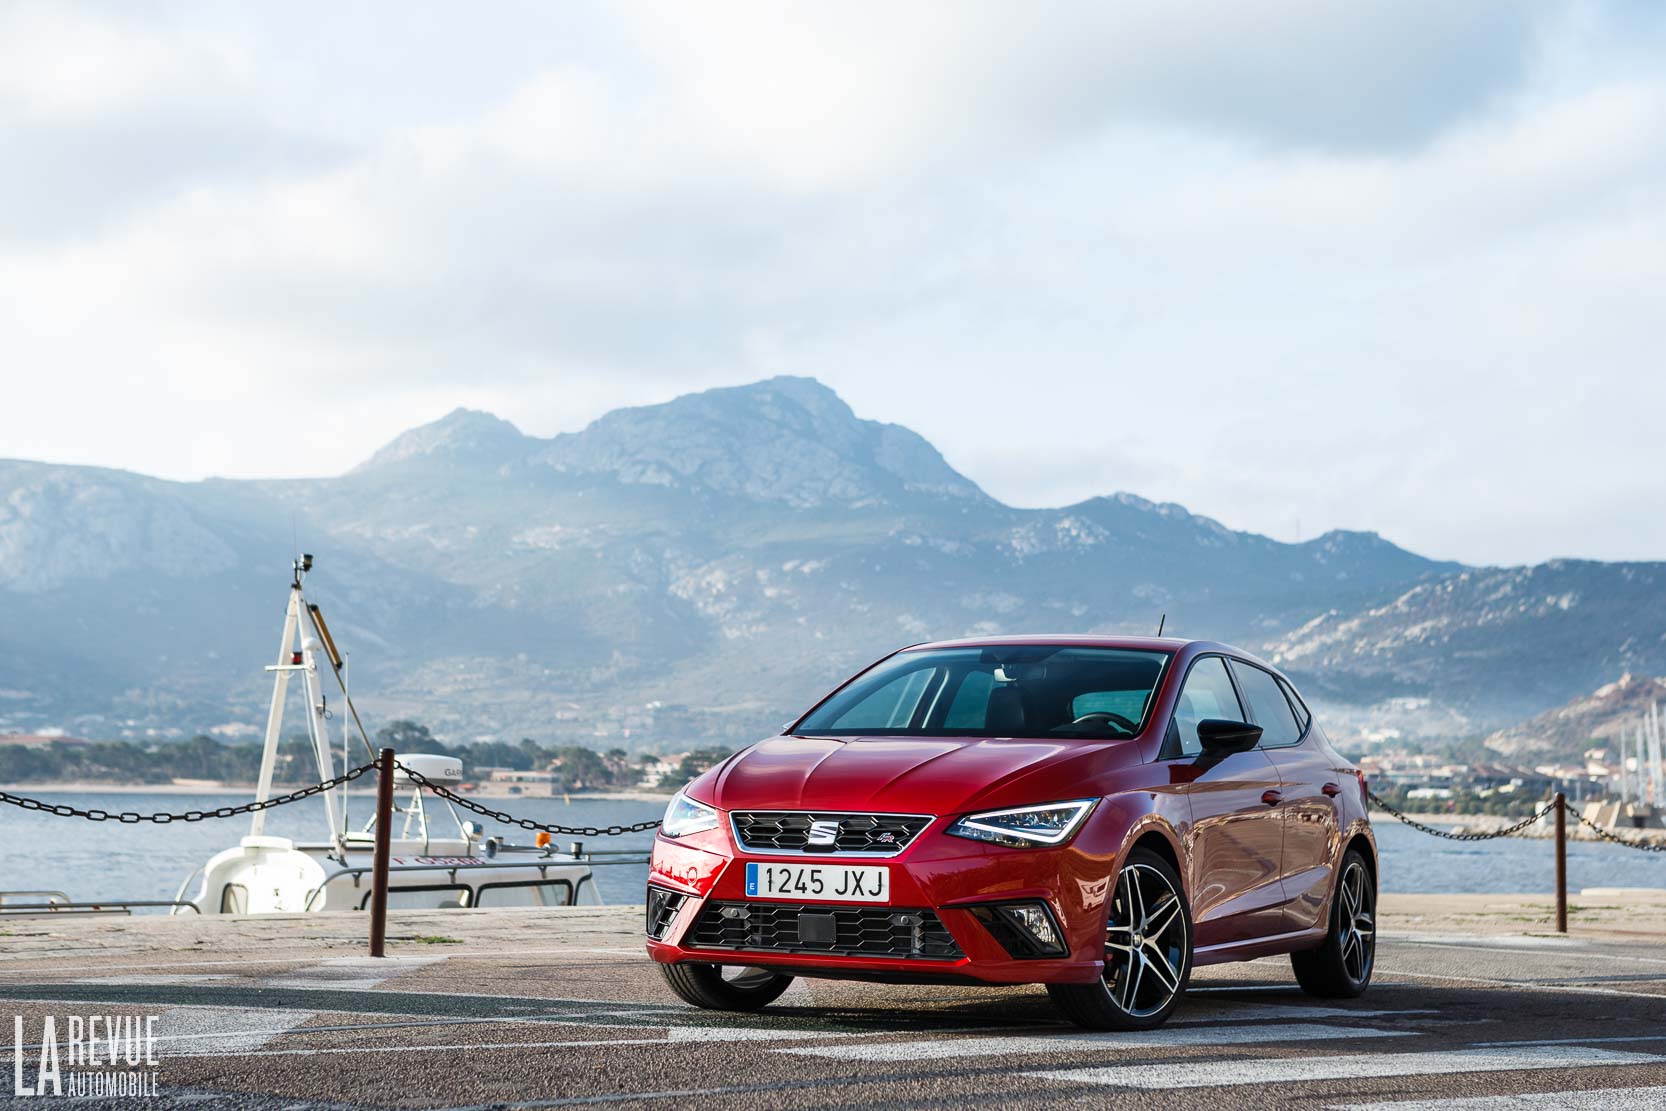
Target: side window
1208,693
891,706
1304,716
1268,704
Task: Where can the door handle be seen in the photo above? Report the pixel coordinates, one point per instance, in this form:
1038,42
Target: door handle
1272,798
1331,790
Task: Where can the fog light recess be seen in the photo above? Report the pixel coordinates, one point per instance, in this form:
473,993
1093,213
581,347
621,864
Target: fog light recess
1027,931
663,906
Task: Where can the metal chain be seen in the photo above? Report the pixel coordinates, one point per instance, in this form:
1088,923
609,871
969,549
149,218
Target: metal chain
1433,832
505,818
131,819
1644,846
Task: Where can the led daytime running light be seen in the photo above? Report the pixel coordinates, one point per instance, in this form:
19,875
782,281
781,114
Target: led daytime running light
684,816
1025,826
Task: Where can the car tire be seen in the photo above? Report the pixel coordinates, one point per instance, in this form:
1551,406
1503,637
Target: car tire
743,989
1341,967
1147,896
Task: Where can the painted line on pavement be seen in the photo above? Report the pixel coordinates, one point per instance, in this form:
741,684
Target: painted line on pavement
1166,1037
1352,1066
1574,948
1585,1099
674,1036
233,1030
1211,1011
52,960
1528,985
1574,1041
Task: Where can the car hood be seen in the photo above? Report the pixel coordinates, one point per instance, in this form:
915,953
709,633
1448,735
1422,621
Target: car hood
928,775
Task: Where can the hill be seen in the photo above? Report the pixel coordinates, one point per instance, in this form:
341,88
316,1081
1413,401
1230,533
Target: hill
1569,729
699,570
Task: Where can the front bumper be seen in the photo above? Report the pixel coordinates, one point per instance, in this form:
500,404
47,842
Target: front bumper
938,886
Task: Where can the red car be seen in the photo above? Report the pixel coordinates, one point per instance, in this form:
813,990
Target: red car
1097,814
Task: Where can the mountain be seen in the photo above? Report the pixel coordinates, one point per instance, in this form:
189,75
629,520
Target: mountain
1602,715
1486,646
699,570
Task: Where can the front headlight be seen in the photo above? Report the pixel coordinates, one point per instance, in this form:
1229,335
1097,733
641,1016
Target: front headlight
685,816
1027,827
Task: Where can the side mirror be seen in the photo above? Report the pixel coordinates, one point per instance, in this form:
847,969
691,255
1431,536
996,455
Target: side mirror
1220,737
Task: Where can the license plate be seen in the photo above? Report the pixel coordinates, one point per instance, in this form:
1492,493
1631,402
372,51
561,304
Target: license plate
837,883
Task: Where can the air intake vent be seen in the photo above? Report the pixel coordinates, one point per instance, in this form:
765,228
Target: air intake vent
844,930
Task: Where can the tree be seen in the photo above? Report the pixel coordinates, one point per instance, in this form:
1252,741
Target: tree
408,736
700,760
576,768
501,754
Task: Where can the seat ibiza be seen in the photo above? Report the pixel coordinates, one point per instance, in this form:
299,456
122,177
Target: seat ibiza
1096,814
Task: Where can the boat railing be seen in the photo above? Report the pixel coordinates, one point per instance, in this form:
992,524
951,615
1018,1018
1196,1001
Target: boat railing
179,896
56,902
543,865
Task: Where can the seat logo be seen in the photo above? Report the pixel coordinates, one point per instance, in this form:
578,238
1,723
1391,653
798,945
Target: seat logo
823,835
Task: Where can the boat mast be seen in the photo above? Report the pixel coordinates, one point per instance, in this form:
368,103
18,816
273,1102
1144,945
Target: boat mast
288,661
301,657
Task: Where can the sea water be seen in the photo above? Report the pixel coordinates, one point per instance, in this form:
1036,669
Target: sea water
107,860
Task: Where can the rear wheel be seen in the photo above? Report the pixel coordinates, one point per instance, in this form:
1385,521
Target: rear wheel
722,988
1341,967
1148,952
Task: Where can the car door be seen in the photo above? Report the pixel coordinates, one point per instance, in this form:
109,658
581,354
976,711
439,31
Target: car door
1308,786
1236,841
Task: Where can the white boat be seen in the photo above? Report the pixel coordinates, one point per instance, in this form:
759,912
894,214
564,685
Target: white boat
456,867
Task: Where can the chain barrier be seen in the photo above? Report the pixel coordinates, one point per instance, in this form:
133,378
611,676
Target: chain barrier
1448,835
1642,846
503,817
129,818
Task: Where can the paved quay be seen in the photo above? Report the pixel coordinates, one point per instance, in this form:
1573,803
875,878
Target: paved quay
1477,1004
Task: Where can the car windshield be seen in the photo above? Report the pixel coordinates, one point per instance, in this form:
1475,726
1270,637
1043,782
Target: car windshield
1002,691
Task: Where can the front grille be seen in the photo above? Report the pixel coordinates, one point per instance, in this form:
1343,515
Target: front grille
788,831
856,931
663,906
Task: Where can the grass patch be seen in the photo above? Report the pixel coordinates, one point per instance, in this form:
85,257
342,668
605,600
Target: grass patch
437,939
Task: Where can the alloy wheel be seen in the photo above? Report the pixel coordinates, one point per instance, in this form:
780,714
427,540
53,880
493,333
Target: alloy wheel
1358,922
1145,942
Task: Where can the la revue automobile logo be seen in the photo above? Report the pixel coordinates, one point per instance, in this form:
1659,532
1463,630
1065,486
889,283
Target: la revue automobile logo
91,1057
823,835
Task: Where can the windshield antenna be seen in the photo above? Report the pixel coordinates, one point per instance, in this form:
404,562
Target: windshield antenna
1161,621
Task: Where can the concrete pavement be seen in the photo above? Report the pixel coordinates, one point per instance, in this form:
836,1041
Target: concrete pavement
1473,1001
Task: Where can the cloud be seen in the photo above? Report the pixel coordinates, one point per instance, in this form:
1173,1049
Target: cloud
1290,259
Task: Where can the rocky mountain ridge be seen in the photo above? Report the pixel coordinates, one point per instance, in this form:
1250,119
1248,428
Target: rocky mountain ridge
1598,717
698,570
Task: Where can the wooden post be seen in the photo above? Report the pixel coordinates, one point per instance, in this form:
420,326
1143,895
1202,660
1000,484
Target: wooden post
1561,863
384,834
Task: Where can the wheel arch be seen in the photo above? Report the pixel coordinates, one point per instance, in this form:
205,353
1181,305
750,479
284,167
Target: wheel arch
1359,837
1154,834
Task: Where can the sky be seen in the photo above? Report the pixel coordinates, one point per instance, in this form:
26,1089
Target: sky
1396,265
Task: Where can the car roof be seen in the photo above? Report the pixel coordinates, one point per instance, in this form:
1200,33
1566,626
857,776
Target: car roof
1079,640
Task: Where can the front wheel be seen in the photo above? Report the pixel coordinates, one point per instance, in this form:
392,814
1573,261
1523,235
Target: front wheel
1341,967
720,988
1148,952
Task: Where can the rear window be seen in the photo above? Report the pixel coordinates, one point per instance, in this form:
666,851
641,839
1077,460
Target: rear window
1004,691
